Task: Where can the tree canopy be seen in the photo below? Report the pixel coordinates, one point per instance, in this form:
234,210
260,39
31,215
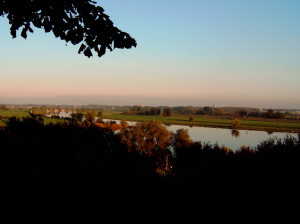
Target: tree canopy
75,21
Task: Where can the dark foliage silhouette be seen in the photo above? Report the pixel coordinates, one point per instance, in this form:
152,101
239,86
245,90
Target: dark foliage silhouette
273,164
86,155
75,21
68,151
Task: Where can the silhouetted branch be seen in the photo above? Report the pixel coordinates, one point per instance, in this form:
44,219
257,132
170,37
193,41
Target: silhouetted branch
75,21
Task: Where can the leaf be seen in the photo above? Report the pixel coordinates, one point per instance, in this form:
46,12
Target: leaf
47,26
30,30
102,51
82,47
88,52
37,23
13,32
23,34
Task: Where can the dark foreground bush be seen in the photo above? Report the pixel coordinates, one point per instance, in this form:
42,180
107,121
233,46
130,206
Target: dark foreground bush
81,154
68,151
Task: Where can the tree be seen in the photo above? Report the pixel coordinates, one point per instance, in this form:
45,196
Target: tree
154,111
167,111
235,123
43,110
124,123
181,139
220,112
152,139
3,107
77,116
75,21
147,137
90,116
270,113
242,112
100,113
208,110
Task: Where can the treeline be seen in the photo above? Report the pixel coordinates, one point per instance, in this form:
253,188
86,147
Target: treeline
44,110
207,110
144,153
3,107
74,114
138,110
236,112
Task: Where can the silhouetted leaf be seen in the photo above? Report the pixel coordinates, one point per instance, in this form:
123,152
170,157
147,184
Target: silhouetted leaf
89,41
13,32
88,52
37,23
70,20
23,34
30,30
102,51
82,47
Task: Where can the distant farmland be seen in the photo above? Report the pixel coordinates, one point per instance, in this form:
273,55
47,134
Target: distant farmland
5,114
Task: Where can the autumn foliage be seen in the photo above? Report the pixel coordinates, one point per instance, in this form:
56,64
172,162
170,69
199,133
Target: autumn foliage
112,126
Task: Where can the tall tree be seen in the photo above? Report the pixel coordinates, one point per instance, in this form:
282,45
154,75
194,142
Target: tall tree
147,137
152,139
167,111
75,21
90,116
181,139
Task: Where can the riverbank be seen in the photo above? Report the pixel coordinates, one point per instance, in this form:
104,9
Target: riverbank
258,124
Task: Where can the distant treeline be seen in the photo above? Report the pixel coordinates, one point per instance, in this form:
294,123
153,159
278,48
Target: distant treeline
45,110
223,111
144,153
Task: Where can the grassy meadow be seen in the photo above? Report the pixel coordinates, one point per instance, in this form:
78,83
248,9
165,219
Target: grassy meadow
5,114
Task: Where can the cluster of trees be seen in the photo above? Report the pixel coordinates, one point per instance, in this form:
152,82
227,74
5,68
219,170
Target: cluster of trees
44,110
138,110
146,151
167,111
3,107
210,111
76,114
235,112
151,111
272,114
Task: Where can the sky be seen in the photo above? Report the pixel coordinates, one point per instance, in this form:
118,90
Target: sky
189,53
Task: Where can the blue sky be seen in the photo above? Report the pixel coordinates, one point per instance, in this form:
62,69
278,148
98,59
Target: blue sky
195,52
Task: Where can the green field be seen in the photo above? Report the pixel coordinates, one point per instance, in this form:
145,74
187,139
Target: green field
5,114
17,113
214,121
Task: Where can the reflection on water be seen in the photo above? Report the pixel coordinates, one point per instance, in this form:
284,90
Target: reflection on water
225,137
235,133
